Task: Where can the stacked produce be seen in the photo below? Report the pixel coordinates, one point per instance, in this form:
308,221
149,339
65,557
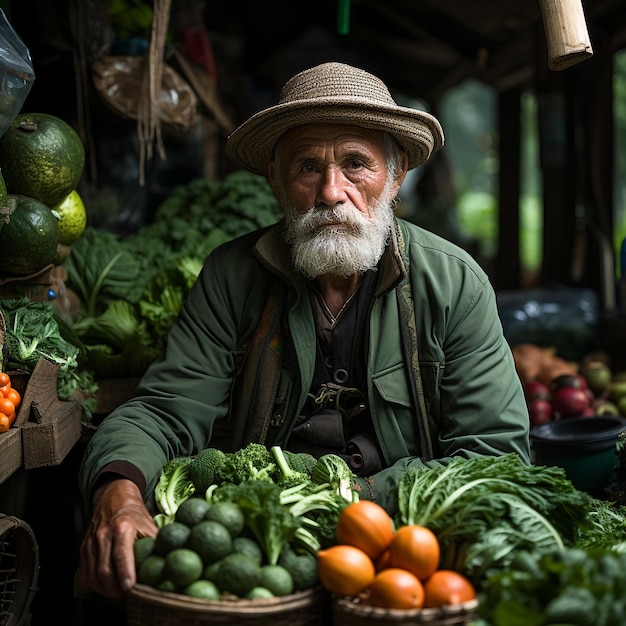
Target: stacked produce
132,289
390,568
557,389
517,539
246,524
41,161
10,400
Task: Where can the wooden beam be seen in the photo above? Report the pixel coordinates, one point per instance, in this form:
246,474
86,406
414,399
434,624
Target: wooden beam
507,273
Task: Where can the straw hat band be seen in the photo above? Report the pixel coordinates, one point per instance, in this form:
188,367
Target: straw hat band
334,93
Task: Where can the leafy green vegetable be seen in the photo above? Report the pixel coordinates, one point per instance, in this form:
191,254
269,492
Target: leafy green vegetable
486,509
272,523
173,488
568,586
33,332
152,270
332,469
607,527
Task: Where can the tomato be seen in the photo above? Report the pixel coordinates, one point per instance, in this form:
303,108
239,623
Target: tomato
367,526
416,549
14,396
12,418
4,390
396,588
5,424
344,570
4,379
6,406
447,587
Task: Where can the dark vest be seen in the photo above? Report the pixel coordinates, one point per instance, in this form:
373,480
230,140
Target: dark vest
336,417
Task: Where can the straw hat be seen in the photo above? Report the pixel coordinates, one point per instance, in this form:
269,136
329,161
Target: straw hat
333,92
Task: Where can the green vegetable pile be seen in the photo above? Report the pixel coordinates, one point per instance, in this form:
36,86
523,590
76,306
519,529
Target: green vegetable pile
246,524
33,332
570,586
132,289
486,509
539,551
277,490
208,552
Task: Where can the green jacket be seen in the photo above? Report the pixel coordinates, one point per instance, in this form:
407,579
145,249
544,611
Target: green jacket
467,383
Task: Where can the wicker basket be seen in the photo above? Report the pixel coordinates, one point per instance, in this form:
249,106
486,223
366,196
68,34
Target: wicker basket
352,612
19,570
150,607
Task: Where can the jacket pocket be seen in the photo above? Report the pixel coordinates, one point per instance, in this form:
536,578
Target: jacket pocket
393,383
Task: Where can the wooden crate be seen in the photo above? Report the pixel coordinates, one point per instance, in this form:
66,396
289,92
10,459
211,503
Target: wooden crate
11,456
50,427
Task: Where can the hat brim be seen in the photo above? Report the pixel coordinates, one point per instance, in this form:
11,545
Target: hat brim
251,146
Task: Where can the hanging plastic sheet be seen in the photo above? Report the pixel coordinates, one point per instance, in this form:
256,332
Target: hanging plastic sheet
16,73
564,318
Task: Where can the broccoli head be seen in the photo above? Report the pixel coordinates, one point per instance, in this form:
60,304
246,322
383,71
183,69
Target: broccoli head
300,461
207,468
253,461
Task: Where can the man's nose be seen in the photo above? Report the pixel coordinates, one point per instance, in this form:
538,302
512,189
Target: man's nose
331,190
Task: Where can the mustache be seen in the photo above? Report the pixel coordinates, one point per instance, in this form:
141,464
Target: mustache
344,216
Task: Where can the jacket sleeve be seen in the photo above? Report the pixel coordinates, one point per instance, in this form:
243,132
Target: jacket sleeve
185,390
478,406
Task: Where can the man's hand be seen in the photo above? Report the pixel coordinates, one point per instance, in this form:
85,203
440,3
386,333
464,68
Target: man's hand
107,560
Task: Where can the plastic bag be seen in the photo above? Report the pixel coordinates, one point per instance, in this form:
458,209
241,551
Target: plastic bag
16,73
563,318
118,81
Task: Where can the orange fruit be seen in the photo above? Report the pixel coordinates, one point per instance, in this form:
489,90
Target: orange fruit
6,406
367,526
447,587
14,396
396,588
345,570
382,562
415,548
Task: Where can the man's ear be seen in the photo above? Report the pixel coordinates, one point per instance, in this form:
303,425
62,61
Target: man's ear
271,175
403,171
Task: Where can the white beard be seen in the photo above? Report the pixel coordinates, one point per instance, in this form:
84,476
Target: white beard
339,240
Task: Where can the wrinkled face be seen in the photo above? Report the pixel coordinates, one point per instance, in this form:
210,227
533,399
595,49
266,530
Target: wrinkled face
336,189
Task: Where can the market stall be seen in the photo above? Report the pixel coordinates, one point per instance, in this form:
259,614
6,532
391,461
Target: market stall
85,310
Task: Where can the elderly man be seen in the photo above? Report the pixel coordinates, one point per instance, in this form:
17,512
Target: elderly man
340,329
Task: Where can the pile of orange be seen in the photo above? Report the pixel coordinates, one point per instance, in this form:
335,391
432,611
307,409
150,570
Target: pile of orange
10,400
389,568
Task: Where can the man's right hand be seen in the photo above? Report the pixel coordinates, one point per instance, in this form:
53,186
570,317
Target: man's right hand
107,560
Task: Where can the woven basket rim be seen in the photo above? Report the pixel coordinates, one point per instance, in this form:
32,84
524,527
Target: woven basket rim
239,606
355,606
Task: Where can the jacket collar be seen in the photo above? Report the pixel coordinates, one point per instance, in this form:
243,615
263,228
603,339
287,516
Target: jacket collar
274,252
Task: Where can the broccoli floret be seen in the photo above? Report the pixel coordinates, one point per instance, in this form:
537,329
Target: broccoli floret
332,469
300,461
254,461
174,486
207,468
288,476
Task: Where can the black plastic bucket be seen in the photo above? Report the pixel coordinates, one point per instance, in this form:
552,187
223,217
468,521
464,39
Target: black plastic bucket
585,447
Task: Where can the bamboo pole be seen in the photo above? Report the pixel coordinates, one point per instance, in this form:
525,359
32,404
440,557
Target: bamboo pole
567,37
